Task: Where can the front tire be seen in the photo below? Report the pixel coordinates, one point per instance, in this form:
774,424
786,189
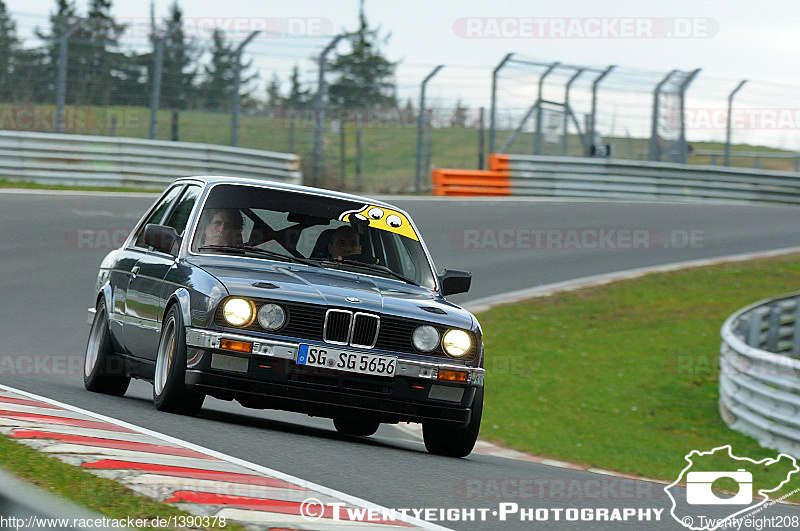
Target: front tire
359,427
169,388
102,369
442,439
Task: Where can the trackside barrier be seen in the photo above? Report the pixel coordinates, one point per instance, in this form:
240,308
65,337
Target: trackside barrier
620,179
110,161
759,382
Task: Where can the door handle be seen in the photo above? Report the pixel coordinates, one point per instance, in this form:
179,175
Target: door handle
134,271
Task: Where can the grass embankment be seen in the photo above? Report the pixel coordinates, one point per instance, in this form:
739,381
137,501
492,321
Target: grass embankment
389,142
101,495
623,376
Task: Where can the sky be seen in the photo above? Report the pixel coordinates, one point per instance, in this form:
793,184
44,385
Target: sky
730,40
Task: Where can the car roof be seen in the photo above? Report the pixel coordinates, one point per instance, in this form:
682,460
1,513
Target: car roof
218,179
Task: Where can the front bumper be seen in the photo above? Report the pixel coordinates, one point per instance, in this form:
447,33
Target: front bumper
269,378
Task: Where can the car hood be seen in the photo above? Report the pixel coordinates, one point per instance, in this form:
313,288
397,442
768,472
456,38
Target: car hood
265,279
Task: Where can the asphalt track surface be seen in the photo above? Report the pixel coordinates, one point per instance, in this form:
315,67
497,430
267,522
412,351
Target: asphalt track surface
49,259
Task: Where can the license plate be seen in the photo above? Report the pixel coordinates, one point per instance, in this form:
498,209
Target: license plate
346,360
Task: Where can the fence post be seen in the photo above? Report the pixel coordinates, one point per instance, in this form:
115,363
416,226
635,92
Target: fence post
796,331
574,77
319,107
493,110
728,126
654,153
237,74
481,141
774,328
61,81
684,153
158,62
420,128
359,183
592,124
537,140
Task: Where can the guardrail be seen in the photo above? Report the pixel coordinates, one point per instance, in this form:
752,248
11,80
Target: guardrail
546,176
759,381
110,161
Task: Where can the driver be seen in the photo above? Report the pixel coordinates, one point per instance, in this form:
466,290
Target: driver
221,226
345,242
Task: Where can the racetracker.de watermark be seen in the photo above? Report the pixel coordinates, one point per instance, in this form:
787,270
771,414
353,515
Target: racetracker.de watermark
575,238
202,27
585,28
507,489
41,364
716,118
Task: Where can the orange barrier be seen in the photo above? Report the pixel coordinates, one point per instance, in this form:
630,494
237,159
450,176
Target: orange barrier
498,162
471,182
495,181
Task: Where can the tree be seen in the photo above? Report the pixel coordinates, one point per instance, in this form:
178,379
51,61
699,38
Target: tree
459,115
274,98
44,74
100,36
9,47
364,78
298,97
218,85
178,73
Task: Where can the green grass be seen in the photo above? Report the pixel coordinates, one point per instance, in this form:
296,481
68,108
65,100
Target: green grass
104,496
389,145
623,376
5,183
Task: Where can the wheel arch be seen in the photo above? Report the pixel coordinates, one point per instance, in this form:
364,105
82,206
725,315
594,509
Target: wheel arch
182,298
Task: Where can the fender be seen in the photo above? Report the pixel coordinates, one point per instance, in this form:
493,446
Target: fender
181,298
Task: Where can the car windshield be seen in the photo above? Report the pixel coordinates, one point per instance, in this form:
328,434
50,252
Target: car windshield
311,229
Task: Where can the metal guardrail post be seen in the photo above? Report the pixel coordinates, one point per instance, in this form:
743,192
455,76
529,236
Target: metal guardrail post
795,352
421,128
684,148
727,160
61,81
654,148
537,140
571,80
158,62
237,74
593,119
492,111
319,108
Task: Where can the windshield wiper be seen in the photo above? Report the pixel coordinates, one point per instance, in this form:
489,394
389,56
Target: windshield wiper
255,250
370,267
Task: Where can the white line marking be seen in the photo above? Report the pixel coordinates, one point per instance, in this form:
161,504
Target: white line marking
352,500
486,303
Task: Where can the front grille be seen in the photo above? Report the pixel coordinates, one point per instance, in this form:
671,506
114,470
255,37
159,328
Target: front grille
337,327
365,330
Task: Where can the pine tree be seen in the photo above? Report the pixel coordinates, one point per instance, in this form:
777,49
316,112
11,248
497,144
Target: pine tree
274,98
44,74
364,77
299,97
178,73
9,48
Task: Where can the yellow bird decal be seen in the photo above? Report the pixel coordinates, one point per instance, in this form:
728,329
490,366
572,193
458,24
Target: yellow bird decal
383,219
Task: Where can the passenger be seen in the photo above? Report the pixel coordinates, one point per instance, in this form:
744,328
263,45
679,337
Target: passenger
345,242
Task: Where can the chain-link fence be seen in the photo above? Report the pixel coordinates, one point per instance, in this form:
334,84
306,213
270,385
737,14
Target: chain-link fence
189,81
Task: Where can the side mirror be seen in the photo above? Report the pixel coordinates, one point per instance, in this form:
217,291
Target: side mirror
454,281
161,238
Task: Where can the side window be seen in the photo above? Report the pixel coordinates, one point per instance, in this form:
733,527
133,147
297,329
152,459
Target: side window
158,213
180,216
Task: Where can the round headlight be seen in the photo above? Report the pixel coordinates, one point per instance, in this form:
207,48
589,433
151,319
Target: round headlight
271,316
456,343
425,338
238,312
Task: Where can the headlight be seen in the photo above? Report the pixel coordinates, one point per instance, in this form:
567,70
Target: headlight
238,312
456,343
425,338
271,316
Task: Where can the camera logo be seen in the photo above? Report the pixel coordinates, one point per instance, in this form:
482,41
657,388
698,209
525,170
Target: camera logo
698,488
759,482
